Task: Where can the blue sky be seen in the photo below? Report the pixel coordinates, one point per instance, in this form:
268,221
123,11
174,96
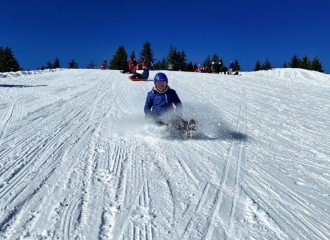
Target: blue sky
39,31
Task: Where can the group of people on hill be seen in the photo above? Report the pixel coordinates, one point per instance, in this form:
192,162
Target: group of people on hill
216,68
144,75
145,64
132,66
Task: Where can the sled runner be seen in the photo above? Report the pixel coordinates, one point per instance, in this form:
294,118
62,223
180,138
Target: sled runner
137,79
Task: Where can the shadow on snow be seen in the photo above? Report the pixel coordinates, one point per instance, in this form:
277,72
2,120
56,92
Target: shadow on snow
20,86
211,124
222,135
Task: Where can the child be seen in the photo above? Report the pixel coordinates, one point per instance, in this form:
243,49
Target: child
159,106
144,75
161,98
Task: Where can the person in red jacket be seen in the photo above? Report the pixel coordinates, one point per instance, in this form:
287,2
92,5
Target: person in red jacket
144,63
129,65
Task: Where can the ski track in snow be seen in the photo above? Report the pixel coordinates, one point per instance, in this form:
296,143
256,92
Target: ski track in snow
77,160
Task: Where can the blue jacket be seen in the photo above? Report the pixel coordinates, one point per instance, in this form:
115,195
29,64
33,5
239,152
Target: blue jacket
231,65
158,103
145,74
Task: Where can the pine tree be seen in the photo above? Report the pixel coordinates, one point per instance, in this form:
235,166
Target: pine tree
2,60
182,57
157,65
133,55
295,62
267,65
285,65
172,56
305,63
190,67
56,63
316,65
215,58
177,65
91,65
147,54
237,66
257,66
207,61
73,64
8,62
119,60
195,66
163,64
49,65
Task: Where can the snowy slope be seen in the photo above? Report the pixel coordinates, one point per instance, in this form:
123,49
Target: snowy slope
77,160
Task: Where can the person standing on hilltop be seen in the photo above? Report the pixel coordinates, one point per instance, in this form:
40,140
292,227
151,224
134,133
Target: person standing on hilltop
231,67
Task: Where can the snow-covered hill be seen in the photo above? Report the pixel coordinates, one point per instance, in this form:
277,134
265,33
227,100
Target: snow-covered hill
77,160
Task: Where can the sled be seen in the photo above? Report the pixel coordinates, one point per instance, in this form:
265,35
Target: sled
137,79
186,129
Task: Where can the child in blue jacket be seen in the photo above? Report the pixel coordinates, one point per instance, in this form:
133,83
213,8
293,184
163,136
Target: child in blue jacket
159,107
144,75
161,98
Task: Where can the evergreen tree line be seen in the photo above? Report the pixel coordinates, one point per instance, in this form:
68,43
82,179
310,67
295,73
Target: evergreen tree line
8,62
50,65
119,61
56,64
174,60
303,63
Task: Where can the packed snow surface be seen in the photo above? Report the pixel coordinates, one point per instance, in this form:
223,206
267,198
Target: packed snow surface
78,161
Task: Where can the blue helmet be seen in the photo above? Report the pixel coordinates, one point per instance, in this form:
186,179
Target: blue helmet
160,77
